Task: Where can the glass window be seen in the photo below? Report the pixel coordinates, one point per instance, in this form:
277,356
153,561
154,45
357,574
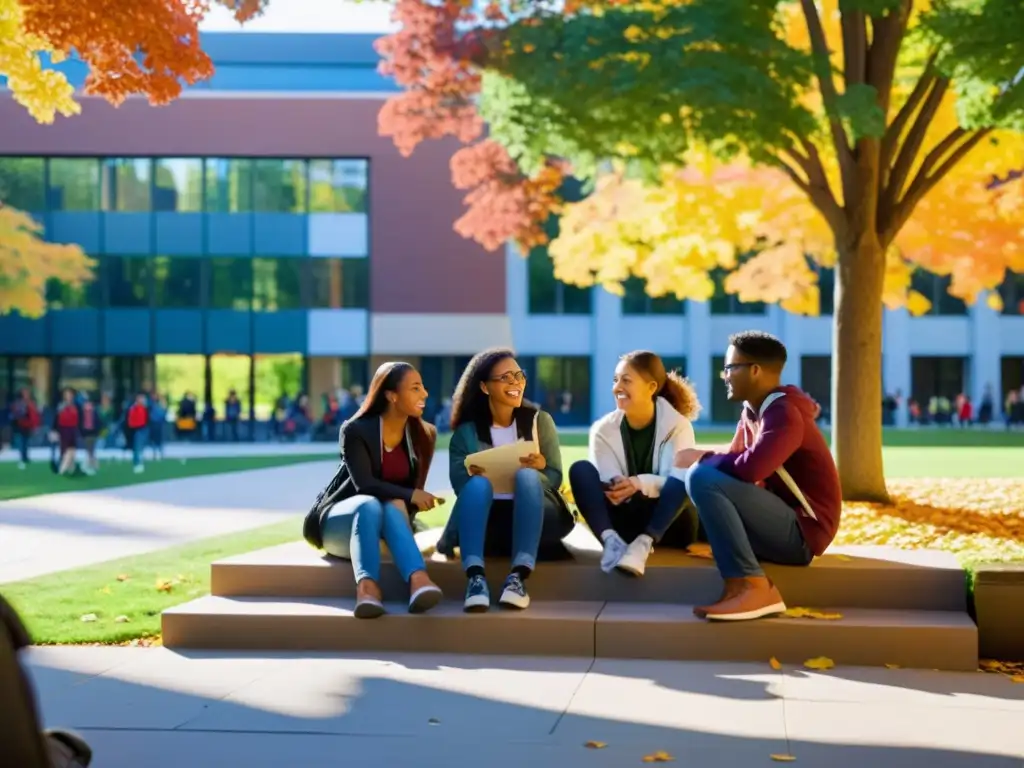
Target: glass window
826,290
22,181
816,380
937,377
337,186
33,373
63,296
81,374
1012,293
279,186
74,184
178,184
276,284
549,296
231,284
677,364
935,288
227,373
228,185
723,303
276,376
339,283
176,281
637,302
126,184
561,386
127,279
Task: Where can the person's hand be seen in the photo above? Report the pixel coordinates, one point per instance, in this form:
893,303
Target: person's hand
622,488
424,500
534,461
687,457
475,470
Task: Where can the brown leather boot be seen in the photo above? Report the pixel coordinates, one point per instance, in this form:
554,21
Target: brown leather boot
732,588
369,603
757,598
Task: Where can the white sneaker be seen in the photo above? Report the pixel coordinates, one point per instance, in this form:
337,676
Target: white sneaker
635,558
614,549
139,469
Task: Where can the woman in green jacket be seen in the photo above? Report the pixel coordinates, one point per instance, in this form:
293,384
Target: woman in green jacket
488,411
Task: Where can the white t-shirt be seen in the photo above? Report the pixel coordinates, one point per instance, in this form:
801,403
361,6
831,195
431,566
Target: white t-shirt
503,436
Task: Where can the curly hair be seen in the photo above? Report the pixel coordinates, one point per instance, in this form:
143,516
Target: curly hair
469,403
678,391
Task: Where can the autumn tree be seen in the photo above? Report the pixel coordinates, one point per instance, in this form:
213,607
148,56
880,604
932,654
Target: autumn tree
140,47
873,135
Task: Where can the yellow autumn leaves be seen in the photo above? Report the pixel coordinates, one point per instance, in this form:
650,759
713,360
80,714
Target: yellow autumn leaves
43,92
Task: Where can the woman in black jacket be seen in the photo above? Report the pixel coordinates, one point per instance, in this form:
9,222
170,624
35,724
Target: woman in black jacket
386,450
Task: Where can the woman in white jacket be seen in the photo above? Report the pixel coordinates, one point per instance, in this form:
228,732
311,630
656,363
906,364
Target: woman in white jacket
629,491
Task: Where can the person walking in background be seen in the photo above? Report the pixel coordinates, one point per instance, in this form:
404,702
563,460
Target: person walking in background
157,425
628,490
67,423
209,424
185,425
232,414
25,420
137,428
91,426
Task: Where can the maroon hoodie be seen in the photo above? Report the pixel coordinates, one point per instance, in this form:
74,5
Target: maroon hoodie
785,435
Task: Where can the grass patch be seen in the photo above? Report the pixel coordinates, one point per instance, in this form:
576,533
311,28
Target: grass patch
37,478
52,606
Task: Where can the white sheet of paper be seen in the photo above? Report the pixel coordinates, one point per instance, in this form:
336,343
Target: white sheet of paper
502,463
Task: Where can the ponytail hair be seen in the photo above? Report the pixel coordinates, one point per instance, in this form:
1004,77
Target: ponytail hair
678,391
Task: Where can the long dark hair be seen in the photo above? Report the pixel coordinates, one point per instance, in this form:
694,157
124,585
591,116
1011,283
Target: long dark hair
679,392
469,403
387,379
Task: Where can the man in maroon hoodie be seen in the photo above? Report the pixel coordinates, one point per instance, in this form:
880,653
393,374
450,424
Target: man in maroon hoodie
774,496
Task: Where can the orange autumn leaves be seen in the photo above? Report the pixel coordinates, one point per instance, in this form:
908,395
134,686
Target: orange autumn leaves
145,47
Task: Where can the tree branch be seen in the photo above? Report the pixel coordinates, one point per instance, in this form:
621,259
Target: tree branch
929,175
855,46
886,40
815,185
912,143
819,49
895,129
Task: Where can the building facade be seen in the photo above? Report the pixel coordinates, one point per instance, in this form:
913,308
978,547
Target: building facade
258,234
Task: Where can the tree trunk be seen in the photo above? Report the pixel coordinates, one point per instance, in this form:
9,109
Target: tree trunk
857,367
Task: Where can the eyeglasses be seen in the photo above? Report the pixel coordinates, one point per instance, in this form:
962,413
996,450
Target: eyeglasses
728,369
512,377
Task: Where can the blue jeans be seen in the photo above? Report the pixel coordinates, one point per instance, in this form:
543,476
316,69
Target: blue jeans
138,446
354,528
745,523
473,508
22,440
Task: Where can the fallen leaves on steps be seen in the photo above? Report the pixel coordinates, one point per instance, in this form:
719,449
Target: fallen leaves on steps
1011,669
595,745
820,662
811,613
774,664
783,758
659,757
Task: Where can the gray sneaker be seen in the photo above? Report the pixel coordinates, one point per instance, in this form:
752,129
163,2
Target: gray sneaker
614,549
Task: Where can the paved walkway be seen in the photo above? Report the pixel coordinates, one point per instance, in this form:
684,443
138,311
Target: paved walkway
43,534
162,709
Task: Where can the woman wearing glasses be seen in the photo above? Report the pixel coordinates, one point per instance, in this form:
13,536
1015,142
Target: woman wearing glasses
487,412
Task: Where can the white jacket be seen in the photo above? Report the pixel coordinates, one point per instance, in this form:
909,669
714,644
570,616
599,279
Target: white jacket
673,432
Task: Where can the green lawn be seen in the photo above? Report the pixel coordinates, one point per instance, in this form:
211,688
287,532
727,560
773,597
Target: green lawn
37,478
53,605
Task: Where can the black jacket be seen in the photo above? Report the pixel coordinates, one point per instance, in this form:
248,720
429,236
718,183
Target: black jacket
359,472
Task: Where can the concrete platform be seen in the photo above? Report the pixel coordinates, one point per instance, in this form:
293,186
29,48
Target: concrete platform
926,639
854,577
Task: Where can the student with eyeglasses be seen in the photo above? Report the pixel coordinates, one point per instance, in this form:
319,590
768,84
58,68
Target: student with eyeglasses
488,411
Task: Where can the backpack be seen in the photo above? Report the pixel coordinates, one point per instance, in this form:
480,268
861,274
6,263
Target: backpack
23,742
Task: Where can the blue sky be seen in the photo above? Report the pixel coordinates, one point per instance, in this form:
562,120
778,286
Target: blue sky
309,16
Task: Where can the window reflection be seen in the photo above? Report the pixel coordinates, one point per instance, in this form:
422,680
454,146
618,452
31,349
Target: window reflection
276,284
339,283
74,184
126,184
231,284
178,185
176,281
279,186
337,186
127,279
228,185
22,181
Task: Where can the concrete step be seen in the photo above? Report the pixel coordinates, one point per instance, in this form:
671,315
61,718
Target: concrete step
908,638
857,577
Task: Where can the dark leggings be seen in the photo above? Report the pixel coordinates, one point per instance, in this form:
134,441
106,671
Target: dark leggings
669,519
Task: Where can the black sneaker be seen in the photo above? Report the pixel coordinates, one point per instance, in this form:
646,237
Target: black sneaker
514,594
478,595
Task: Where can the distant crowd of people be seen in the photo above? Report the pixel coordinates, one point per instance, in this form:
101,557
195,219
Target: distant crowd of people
959,411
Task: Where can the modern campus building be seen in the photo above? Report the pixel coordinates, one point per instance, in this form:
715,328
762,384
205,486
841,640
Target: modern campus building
259,234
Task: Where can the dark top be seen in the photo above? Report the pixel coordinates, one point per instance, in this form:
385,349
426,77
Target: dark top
361,472
639,445
395,466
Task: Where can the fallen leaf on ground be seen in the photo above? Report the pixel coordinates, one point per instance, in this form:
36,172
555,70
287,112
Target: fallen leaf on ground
433,721
892,666
775,664
121,620
811,613
783,758
164,585
1017,679
595,745
105,590
844,558
123,577
700,550
89,617
1011,669
659,757
820,662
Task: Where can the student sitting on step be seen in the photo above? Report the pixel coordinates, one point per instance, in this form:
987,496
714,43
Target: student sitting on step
629,491
774,496
386,450
488,411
